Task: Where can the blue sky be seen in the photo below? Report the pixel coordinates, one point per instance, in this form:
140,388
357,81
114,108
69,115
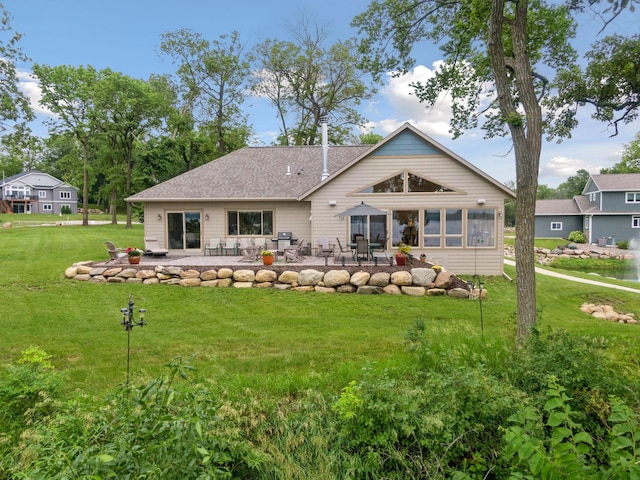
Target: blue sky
124,35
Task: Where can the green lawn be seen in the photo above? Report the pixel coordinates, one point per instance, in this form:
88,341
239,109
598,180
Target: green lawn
278,341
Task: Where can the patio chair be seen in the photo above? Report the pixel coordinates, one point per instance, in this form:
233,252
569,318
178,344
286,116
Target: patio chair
362,249
343,250
260,242
293,253
213,245
230,244
151,247
380,251
244,243
325,249
116,255
249,254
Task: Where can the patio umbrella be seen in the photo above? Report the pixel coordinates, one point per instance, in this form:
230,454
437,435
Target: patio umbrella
362,210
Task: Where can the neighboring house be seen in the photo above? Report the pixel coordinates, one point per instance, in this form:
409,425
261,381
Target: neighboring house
440,203
36,192
607,211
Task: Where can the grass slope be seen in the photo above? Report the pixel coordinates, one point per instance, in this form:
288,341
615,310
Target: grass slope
278,341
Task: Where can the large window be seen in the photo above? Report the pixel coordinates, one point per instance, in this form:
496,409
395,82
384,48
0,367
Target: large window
556,225
406,182
453,228
481,227
405,227
246,222
65,195
635,221
432,228
362,225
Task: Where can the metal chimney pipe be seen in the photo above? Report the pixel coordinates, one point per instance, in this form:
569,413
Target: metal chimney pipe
325,148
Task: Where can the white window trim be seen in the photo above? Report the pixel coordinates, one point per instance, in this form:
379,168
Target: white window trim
42,194
47,207
555,229
65,195
636,197
635,221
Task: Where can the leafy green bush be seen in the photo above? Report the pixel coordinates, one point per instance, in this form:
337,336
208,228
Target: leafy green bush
65,210
577,237
152,431
28,391
623,244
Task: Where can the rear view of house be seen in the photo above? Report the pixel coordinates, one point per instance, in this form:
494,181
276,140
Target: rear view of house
37,192
607,211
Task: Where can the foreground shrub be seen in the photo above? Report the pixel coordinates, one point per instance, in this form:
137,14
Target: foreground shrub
577,237
155,431
28,391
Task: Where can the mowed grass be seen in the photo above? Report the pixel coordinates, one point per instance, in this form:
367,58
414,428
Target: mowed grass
272,340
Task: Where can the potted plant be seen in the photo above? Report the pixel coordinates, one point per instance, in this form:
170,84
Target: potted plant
267,257
134,255
423,258
403,253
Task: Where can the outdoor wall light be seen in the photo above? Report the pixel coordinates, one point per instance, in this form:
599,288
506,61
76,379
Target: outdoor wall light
481,201
158,217
332,203
206,217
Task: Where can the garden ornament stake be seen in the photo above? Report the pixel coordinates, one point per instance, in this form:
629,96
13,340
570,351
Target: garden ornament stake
128,322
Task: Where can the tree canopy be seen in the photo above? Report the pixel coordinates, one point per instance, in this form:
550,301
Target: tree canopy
502,62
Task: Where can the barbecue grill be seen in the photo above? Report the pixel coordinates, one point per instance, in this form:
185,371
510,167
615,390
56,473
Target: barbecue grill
284,240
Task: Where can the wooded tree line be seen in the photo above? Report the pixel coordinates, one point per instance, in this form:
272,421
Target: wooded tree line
509,66
115,135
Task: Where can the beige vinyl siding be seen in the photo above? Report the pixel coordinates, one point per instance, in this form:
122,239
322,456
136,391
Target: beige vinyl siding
287,216
468,186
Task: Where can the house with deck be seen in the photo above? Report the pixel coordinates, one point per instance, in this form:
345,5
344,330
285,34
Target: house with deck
37,192
607,211
428,197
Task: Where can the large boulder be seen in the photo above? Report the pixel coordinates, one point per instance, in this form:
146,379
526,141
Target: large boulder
360,278
335,278
380,279
244,276
422,276
288,277
401,278
310,277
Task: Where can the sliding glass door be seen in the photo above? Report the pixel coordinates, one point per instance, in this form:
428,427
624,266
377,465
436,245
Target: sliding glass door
184,230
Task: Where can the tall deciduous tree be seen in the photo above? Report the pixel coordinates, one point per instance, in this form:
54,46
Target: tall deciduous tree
127,110
304,80
211,83
498,47
69,92
14,106
574,185
630,162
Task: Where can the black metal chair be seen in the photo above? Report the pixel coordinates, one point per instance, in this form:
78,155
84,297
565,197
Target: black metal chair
343,250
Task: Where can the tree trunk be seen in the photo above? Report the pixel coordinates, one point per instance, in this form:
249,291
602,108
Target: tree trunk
85,183
526,133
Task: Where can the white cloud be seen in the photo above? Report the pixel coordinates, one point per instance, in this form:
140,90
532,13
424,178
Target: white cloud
30,87
403,106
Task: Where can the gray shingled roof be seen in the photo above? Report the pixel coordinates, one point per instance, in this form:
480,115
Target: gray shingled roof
254,173
557,207
617,181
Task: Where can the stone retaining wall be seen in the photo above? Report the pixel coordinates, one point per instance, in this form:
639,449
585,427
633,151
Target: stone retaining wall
414,282
545,256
